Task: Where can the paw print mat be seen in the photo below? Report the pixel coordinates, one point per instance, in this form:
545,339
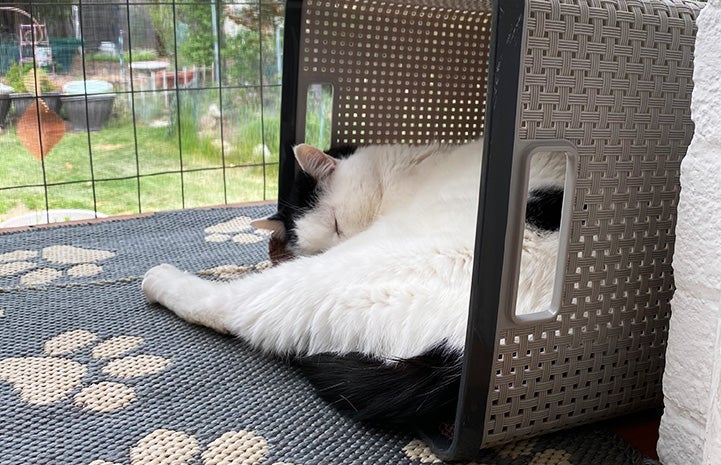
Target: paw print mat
90,374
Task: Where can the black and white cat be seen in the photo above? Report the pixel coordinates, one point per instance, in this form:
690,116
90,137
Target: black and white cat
374,306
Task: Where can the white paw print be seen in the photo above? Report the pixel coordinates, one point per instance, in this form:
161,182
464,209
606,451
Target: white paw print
417,450
170,447
228,272
237,230
73,261
52,378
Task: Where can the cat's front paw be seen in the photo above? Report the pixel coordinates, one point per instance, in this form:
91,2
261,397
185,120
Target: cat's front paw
184,294
158,281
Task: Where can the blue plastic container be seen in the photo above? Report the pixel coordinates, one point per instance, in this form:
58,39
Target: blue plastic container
88,104
87,87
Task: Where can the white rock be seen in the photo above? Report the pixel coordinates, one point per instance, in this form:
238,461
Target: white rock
690,431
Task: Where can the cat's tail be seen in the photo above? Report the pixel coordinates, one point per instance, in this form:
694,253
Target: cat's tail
408,391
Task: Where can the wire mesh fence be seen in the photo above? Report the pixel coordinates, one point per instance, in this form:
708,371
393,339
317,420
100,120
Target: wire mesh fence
164,104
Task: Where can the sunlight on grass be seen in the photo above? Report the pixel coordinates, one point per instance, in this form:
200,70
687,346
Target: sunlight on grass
150,174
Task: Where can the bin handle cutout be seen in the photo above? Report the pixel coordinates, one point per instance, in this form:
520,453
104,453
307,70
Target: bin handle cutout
520,182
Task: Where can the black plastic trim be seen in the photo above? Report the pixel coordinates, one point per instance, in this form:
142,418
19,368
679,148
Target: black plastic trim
507,24
289,101
478,365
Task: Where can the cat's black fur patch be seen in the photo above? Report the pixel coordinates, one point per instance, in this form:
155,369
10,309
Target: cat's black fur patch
302,198
543,208
340,152
420,389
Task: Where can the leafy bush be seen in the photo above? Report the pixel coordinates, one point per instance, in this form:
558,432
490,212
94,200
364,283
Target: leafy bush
19,74
189,32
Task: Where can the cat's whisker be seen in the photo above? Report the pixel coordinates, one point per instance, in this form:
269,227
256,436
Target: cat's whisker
349,403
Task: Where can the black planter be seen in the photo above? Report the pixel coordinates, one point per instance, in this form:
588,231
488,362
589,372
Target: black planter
52,100
99,108
4,108
21,102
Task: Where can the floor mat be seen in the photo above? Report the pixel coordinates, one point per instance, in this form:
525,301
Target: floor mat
92,375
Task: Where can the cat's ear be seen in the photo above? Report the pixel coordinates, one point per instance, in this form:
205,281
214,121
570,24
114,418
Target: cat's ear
313,161
271,224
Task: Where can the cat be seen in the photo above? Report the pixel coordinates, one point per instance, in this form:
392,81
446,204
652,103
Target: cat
373,306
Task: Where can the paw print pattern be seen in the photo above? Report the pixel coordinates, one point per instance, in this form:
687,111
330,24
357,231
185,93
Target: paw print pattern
53,377
51,263
170,447
228,272
418,451
237,230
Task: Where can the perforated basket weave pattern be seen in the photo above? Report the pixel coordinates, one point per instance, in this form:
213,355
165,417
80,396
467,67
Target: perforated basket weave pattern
613,78
407,72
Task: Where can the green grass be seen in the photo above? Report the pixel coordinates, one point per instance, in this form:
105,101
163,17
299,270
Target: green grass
150,173
138,55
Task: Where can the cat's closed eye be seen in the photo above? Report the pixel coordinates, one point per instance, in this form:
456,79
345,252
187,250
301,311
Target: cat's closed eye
335,224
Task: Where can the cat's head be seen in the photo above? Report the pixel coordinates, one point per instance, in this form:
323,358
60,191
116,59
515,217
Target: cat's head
334,196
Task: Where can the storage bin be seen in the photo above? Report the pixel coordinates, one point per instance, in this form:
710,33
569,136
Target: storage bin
607,81
88,104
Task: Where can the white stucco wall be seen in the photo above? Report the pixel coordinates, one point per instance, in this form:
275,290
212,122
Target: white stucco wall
690,432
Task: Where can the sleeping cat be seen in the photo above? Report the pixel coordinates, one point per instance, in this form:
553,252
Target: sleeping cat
373,307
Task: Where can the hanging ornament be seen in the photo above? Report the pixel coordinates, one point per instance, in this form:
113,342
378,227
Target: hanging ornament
40,129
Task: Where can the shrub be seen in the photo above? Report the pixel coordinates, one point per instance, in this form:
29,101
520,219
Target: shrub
18,75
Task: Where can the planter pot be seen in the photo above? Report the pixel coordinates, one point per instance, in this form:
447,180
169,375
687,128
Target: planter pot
52,100
100,106
92,86
4,108
21,102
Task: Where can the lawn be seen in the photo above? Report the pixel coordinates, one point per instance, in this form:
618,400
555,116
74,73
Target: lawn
125,170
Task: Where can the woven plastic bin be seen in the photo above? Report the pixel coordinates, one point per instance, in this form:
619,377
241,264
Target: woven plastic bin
606,81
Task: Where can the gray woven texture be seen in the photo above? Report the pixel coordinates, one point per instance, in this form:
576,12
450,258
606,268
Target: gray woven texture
405,72
614,79
196,396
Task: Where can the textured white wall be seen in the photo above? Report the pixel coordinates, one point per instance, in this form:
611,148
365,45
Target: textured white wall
690,432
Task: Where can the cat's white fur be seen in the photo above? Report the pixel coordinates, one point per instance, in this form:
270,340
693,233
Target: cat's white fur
394,282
